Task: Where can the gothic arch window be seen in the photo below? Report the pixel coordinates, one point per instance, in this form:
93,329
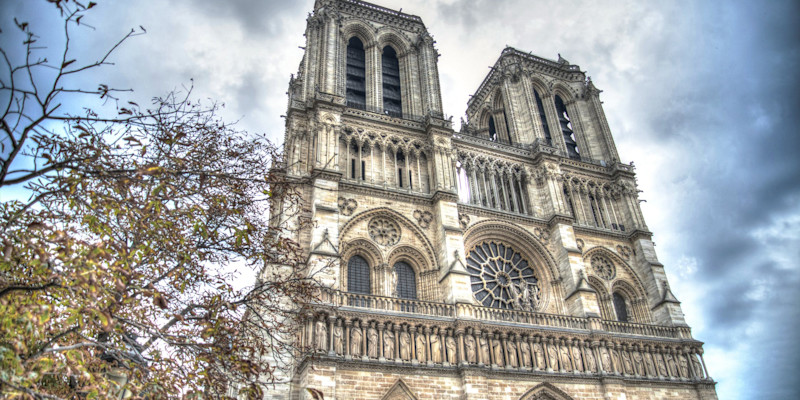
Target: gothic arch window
566,129
358,275
502,278
406,281
392,100
356,88
492,130
620,307
543,117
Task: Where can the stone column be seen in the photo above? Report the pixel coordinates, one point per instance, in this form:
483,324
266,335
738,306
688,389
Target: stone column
461,356
413,346
331,328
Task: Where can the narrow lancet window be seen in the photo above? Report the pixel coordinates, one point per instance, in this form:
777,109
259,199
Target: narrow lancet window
392,103
566,130
543,118
620,308
356,77
492,130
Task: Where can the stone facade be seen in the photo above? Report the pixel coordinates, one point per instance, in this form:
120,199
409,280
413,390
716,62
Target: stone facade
509,260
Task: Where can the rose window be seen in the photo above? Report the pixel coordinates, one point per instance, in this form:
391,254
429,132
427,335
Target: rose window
502,278
384,231
603,268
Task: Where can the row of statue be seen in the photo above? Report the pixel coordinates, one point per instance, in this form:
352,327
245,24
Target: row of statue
445,346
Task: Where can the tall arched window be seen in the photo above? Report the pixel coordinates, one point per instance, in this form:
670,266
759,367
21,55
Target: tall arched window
492,130
358,275
566,129
543,118
406,281
392,103
620,307
356,94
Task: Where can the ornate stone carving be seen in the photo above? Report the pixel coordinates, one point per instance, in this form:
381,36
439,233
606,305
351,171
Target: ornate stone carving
683,366
603,267
355,341
463,219
436,348
566,362
697,367
525,354
538,359
405,346
552,359
541,234
337,339
347,206
638,363
421,342
388,344
626,362
497,351
591,363
624,251
485,357
384,231
506,279
512,354
423,218
579,244
372,342
649,366
577,358
606,360
662,367
469,342
322,336
450,343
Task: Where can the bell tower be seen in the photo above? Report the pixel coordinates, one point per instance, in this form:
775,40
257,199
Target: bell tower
508,257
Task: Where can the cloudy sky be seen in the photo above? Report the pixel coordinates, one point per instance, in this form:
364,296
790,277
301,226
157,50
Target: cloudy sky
701,95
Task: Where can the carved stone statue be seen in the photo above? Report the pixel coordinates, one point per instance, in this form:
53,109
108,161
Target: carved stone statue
405,346
552,359
637,363
662,367
421,348
648,364
512,354
338,346
450,343
591,363
683,366
388,344
322,336
626,362
577,359
615,361
671,367
436,348
469,343
538,355
485,351
697,367
566,362
606,360
393,283
497,349
372,343
355,341
525,354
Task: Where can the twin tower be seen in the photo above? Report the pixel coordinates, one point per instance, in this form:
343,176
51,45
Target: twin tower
509,260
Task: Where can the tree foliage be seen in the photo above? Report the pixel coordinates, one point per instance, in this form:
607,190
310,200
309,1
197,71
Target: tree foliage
115,276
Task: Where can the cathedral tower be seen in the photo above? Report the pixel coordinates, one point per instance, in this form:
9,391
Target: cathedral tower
509,260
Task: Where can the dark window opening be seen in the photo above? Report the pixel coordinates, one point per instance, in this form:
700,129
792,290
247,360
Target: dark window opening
410,181
406,281
400,177
492,130
363,171
356,93
543,118
392,99
620,308
508,130
353,168
358,275
566,130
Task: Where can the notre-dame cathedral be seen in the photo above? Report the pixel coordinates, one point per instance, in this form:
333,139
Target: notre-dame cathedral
508,260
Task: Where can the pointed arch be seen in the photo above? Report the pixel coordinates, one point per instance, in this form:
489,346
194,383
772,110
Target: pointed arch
355,27
399,391
603,298
388,36
545,391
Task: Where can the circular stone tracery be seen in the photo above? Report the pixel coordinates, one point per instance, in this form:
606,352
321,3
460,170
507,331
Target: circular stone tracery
603,267
502,278
384,231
